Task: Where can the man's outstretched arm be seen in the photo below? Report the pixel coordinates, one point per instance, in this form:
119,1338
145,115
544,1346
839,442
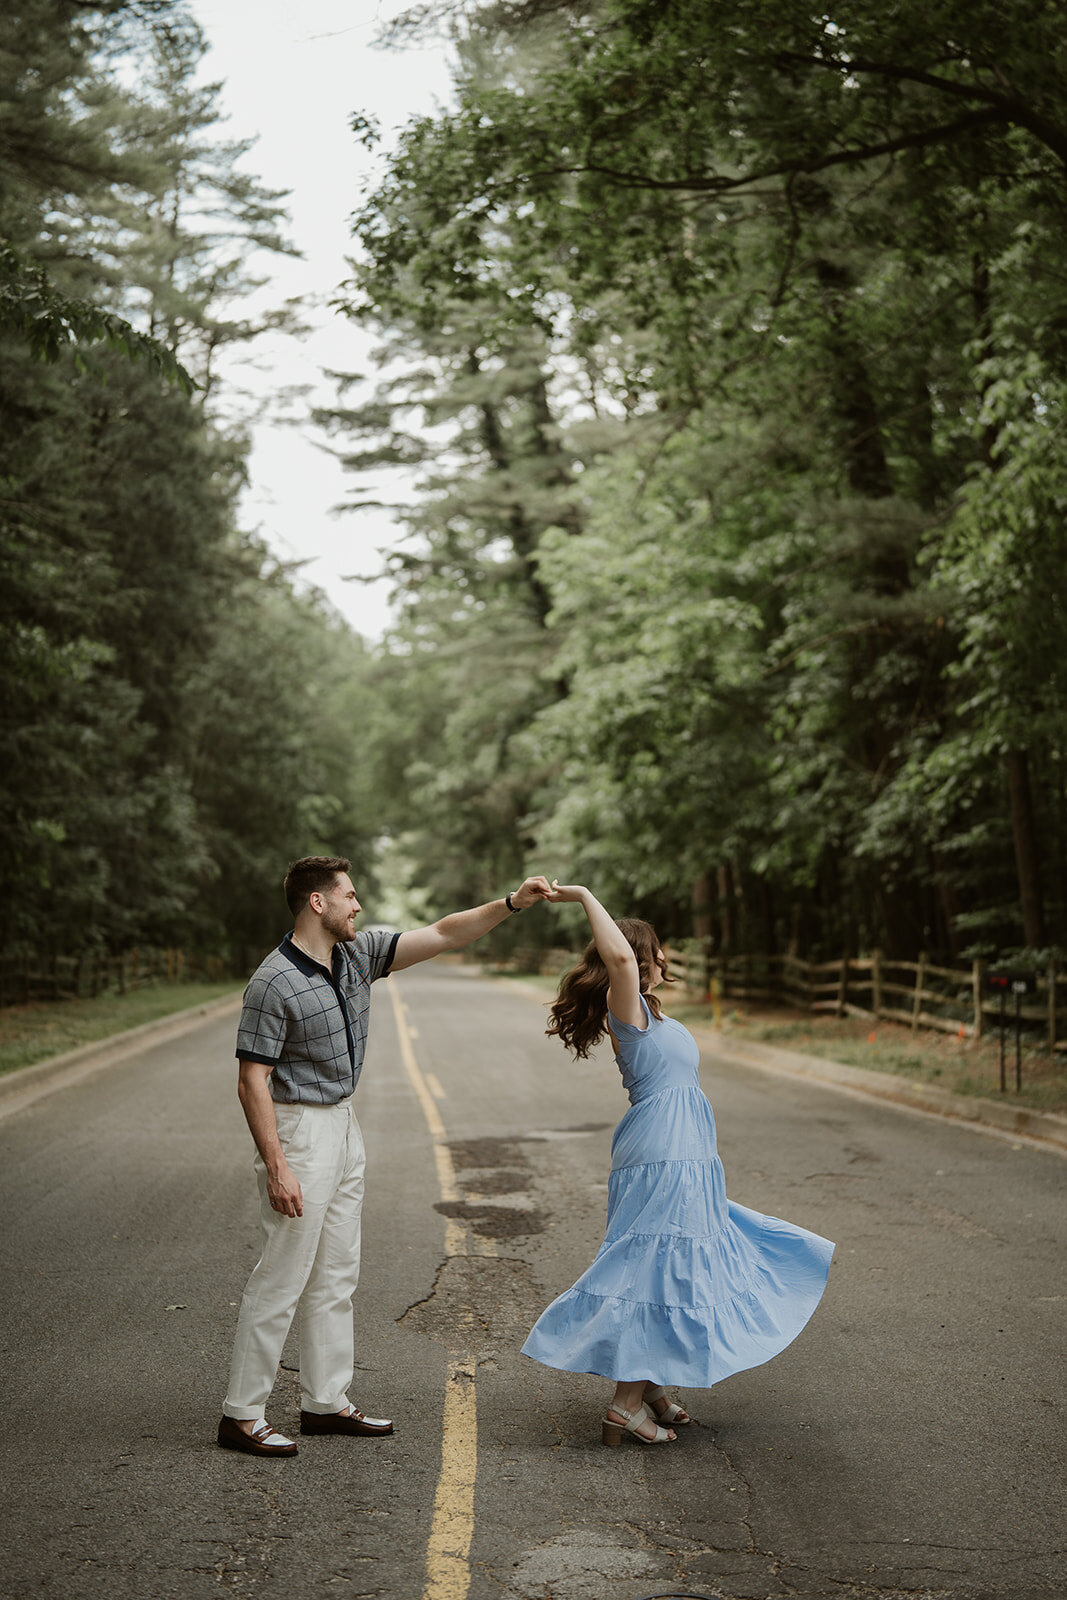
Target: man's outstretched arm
464,927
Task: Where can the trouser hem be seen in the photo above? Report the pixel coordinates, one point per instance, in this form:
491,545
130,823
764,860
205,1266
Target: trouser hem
328,1408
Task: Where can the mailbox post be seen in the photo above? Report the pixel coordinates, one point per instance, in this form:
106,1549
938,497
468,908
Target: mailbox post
1005,981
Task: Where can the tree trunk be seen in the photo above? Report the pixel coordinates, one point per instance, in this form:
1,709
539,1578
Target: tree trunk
947,903
1024,833
702,902
770,933
727,912
859,422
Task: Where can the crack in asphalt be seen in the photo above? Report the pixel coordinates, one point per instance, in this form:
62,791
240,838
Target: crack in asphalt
740,1476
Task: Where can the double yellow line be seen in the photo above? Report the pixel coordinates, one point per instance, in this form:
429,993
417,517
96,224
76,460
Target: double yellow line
448,1572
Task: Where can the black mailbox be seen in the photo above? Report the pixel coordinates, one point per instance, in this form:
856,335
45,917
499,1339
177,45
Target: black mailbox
1017,981
1011,980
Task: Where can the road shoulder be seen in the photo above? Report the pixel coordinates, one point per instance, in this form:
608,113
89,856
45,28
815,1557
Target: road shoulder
23,1085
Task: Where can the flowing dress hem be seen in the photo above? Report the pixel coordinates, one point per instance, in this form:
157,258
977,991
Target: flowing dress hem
621,1355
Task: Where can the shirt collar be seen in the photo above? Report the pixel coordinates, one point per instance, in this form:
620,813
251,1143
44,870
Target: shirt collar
307,964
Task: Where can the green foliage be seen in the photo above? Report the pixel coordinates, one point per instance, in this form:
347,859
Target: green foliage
49,322
177,720
793,532
58,148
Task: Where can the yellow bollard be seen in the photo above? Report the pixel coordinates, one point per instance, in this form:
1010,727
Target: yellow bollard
715,990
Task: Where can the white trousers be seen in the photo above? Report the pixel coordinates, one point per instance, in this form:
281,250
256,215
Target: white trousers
310,1261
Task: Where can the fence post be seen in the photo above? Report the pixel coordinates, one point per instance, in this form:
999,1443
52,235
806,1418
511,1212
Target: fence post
920,974
1052,1007
977,979
842,988
876,983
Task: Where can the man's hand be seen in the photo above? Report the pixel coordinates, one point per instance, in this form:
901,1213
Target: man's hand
532,890
283,1191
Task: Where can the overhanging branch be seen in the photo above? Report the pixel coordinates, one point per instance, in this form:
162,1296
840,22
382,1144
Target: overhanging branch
717,183
1007,99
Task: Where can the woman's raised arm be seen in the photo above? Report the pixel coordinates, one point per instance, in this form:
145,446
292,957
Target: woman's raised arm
616,952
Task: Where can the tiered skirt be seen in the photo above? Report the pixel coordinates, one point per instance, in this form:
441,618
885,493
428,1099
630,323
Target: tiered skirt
688,1287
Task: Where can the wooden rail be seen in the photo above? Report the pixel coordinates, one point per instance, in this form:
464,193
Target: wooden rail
24,979
918,993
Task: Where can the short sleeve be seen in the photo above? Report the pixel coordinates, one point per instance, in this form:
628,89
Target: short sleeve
376,949
262,1028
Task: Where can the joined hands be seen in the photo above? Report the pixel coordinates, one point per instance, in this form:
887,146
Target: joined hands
556,893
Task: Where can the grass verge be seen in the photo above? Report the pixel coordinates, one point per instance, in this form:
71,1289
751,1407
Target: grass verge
49,1028
962,1065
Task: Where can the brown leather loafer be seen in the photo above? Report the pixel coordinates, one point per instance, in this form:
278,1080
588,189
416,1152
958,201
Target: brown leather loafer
344,1422
257,1443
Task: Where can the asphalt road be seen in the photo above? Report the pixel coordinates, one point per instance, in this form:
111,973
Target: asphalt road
910,1443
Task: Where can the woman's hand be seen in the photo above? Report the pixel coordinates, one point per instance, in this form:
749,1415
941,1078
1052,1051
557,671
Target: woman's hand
530,891
562,893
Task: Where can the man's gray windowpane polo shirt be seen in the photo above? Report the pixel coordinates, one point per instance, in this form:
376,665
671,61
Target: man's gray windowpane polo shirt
310,1025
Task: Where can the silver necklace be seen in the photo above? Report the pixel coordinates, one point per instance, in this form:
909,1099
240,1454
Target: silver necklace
307,952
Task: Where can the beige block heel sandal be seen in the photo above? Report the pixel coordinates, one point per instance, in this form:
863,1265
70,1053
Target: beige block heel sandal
611,1432
674,1416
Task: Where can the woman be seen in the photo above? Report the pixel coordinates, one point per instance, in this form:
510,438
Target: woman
687,1287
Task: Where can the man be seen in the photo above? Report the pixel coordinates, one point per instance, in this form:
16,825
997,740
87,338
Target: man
300,1044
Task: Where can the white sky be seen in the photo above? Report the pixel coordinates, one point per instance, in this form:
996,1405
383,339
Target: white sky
294,73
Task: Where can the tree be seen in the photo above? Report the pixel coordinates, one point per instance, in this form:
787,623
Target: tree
793,261
54,144
176,717
465,668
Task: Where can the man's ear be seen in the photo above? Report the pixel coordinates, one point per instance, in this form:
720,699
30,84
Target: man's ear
317,902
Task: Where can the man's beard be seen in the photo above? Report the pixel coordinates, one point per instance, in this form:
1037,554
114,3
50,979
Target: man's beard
339,926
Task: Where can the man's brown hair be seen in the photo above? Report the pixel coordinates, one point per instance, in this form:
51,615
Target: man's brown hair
311,875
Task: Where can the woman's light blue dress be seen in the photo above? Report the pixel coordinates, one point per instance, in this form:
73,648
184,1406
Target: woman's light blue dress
687,1287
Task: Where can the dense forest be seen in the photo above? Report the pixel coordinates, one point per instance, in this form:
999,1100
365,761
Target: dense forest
731,344
177,720
727,348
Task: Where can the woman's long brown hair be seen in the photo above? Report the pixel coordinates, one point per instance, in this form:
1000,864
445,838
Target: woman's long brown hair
580,1014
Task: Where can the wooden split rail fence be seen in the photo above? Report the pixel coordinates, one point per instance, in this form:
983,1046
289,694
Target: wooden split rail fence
24,979
919,993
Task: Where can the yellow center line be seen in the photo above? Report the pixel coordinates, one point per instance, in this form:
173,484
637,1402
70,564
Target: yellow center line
448,1572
